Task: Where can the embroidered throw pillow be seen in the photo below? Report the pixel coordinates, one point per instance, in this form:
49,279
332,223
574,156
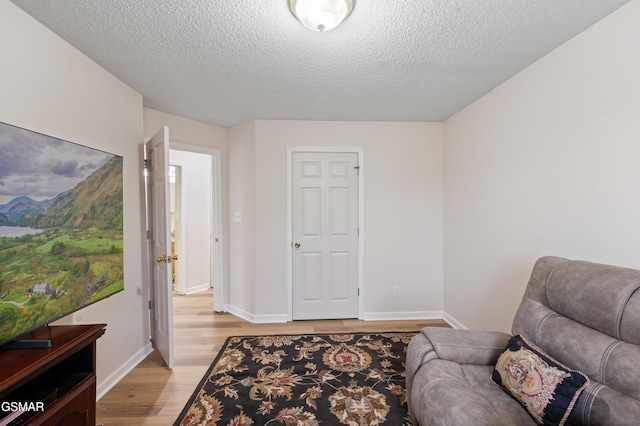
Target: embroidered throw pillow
546,388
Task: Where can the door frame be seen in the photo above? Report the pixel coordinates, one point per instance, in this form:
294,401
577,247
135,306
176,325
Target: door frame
217,264
361,283
180,246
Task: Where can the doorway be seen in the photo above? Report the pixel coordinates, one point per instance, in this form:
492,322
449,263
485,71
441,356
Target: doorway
196,222
175,219
190,217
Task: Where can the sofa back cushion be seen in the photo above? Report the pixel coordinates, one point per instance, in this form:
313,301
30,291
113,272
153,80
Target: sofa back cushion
587,316
595,295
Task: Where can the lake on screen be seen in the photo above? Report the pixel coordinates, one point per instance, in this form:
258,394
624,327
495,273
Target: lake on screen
17,231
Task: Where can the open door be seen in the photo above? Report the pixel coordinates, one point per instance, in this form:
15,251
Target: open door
161,303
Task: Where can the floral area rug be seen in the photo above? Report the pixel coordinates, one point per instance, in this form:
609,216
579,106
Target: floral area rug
331,379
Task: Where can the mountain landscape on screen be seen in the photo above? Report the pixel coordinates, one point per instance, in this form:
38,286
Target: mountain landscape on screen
58,252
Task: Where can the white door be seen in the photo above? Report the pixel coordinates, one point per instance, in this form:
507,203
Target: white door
157,156
325,235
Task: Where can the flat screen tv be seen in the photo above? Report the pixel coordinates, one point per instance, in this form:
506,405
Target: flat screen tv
61,229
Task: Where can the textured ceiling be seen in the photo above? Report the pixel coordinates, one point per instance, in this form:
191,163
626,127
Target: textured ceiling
226,62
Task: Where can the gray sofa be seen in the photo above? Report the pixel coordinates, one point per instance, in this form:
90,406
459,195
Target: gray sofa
585,315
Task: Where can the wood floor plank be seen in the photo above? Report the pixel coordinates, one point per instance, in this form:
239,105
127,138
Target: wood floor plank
151,394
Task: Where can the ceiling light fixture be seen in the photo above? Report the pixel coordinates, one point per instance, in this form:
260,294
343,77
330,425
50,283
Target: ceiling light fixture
321,15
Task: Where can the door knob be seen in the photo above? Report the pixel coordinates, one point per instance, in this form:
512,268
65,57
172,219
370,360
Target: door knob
174,257
296,244
161,259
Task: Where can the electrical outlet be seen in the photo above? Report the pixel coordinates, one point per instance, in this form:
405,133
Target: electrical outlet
396,291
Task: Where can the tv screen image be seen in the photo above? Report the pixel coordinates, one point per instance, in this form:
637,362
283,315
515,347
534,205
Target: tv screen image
61,229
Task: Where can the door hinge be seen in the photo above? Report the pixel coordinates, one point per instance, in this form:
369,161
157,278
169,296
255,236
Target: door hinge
150,304
147,163
357,169
358,292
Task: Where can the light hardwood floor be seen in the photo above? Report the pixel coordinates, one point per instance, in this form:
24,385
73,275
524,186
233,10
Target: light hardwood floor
151,394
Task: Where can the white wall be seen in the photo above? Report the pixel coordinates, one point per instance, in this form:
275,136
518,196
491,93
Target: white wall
195,219
50,87
546,164
242,235
402,172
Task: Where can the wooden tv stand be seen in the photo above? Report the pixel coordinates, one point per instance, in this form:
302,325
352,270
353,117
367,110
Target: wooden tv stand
62,376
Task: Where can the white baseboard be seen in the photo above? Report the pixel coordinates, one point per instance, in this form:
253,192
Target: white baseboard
367,316
399,316
197,289
454,322
240,313
256,319
106,384
270,319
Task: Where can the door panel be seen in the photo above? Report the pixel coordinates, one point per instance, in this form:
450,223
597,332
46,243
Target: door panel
157,155
312,266
311,204
339,207
325,224
340,262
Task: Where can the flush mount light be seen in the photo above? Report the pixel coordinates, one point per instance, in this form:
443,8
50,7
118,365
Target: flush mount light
321,15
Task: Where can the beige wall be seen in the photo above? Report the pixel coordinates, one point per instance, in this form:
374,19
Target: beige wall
402,173
242,235
186,131
50,87
545,164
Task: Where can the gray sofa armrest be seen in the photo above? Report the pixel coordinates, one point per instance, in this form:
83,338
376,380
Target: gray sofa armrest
466,346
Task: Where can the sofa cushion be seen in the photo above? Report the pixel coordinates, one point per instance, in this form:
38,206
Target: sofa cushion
546,388
448,393
466,346
597,296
